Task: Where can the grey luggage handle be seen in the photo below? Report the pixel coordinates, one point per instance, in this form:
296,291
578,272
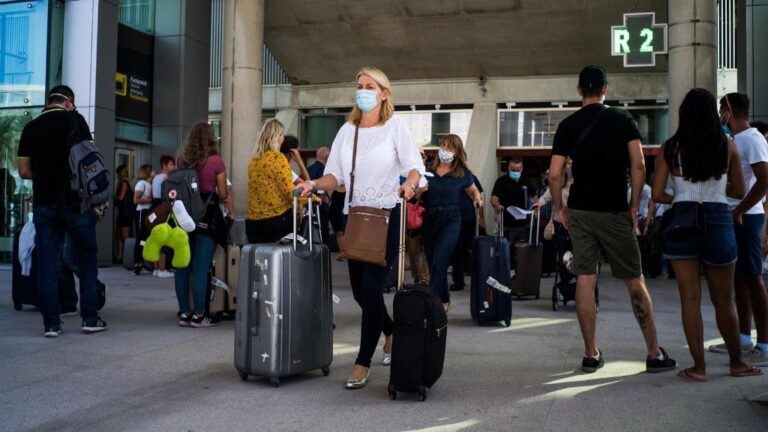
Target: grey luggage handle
296,193
535,215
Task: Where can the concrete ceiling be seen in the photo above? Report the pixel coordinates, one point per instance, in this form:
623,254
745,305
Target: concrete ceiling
325,41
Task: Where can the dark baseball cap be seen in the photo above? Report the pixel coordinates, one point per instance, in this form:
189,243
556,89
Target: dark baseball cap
592,77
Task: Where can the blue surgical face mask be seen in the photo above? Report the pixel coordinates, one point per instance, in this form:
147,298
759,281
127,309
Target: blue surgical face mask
445,156
515,175
366,100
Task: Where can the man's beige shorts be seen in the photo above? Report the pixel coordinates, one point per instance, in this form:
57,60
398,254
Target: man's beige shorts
592,232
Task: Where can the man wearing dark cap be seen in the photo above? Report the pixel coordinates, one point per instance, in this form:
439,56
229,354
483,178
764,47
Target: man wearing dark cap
603,143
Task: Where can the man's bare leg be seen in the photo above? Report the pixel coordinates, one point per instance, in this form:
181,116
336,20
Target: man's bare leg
586,311
642,307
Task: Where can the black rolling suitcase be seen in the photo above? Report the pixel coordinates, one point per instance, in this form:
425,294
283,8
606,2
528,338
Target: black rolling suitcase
529,256
421,325
490,255
23,288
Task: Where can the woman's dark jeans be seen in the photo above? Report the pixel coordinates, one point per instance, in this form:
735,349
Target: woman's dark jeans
442,226
367,281
141,235
269,230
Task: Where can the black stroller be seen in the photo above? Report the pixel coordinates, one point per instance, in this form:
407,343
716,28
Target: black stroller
564,289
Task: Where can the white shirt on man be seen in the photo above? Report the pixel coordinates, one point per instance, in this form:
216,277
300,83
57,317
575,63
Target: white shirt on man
157,185
752,149
384,153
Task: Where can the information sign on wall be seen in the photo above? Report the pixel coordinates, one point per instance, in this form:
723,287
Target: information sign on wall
639,39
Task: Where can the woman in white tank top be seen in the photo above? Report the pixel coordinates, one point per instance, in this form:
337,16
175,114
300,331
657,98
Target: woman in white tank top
705,168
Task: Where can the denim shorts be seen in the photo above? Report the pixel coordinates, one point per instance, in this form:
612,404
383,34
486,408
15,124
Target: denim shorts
715,245
750,261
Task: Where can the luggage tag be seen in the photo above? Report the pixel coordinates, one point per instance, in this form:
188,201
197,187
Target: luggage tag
498,285
336,299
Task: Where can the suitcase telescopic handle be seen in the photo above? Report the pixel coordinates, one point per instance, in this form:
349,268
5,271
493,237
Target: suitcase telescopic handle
296,193
537,216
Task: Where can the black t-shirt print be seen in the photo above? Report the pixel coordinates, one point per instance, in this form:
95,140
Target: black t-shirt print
601,161
45,142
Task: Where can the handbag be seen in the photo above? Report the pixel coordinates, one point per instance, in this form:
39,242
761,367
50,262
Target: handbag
365,236
158,215
681,222
549,230
213,222
414,216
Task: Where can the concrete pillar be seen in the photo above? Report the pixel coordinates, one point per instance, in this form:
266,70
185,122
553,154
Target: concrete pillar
241,90
692,51
752,38
481,153
90,72
181,72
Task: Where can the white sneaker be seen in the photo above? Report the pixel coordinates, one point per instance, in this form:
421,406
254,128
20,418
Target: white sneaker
164,274
756,357
723,349
155,273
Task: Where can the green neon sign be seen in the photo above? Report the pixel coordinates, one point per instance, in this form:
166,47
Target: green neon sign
639,39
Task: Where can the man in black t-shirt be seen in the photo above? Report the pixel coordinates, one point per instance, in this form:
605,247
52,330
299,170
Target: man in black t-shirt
512,189
603,142
44,158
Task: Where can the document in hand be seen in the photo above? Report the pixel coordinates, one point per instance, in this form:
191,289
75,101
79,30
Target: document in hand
518,213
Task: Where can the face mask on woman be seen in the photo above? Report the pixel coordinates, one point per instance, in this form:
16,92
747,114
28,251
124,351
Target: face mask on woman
445,156
515,175
366,100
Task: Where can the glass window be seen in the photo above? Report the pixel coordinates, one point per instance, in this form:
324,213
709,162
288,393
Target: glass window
428,126
138,14
320,130
23,53
536,127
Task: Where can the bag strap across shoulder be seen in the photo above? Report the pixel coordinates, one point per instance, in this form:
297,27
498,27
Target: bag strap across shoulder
586,131
354,163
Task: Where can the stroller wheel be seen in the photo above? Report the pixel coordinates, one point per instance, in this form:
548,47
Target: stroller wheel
554,305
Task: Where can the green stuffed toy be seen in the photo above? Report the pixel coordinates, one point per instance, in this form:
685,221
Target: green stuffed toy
172,237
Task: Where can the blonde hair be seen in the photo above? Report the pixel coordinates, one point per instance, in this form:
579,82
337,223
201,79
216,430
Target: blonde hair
145,171
459,165
387,105
269,138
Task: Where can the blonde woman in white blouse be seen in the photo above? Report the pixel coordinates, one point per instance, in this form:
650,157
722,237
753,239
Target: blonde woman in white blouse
385,152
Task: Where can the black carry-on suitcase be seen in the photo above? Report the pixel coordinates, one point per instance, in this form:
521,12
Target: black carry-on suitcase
285,314
528,272
490,255
421,325
23,288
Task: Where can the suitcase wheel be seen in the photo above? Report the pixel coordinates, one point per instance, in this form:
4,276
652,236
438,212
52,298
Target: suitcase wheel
392,392
422,394
326,371
275,382
17,306
537,296
243,376
481,322
507,323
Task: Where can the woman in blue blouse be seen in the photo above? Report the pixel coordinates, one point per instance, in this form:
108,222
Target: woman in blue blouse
442,220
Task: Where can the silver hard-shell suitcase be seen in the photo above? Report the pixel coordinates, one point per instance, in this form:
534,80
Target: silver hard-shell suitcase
284,313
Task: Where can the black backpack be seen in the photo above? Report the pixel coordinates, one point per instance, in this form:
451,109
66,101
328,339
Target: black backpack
183,184
89,177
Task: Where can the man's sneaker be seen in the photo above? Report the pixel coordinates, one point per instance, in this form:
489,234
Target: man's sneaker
592,364
184,318
756,357
52,332
203,321
164,274
722,349
654,365
94,327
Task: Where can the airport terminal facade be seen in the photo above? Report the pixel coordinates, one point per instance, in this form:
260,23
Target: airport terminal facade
500,74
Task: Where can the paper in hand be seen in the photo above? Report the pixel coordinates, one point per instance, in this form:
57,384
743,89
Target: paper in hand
518,213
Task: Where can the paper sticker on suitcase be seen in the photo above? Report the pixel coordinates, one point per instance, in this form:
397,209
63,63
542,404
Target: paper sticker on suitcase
284,310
